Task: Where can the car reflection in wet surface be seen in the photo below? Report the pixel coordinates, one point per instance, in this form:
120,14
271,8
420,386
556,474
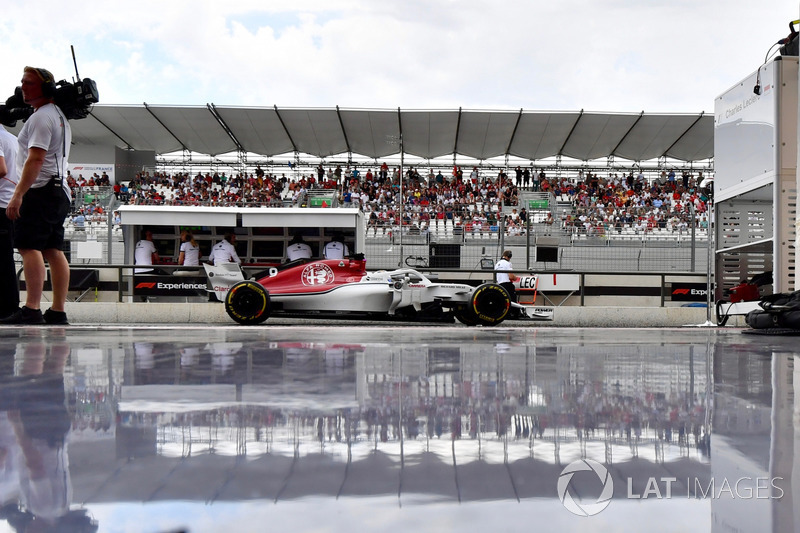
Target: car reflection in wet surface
398,429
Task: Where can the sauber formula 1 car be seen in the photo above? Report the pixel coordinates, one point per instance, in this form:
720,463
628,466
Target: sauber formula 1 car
343,286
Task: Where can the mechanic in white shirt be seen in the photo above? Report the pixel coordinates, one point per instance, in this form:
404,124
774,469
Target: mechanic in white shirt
505,278
224,251
190,251
145,253
298,249
336,248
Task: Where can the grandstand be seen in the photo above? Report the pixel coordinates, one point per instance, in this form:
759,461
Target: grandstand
470,178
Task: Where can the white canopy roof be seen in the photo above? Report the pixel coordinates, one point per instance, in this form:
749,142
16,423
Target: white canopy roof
480,134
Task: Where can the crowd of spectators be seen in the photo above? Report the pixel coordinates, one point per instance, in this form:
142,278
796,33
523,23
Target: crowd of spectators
477,201
602,205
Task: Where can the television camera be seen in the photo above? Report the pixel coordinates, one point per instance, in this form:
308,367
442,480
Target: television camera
75,100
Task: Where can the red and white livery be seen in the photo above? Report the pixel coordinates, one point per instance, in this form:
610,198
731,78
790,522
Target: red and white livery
343,286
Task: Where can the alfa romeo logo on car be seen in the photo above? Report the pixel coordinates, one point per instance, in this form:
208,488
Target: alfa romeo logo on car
579,507
317,274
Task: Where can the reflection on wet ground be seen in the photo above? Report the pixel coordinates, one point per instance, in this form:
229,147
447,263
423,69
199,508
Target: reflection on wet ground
332,429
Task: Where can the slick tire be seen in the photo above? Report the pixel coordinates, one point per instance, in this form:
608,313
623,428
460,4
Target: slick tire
489,304
247,303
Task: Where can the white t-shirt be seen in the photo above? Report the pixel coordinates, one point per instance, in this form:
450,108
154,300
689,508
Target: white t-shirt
503,264
143,255
336,250
48,129
191,254
8,151
224,252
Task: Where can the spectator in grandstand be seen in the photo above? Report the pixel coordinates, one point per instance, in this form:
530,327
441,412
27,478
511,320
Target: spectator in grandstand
298,249
190,251
145,253
225,251
79,220
513,228
9,290
43,191
336,248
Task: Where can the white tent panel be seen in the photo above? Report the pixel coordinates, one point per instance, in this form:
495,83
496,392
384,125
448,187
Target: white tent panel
429,134
196,127
258,130
653,135
696,143
372,133
314,131
89,132
541,135
483,135
596,135
135,125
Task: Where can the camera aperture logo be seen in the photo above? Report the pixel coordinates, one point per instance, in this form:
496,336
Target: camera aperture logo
579,507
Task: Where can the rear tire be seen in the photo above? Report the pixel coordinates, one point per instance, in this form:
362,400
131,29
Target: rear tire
247,303
489,304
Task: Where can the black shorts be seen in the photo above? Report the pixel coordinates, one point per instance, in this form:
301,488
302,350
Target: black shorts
40,225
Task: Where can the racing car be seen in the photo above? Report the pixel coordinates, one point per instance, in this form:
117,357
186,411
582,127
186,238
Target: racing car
343,286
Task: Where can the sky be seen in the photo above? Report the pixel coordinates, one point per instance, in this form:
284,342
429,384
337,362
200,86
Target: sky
656,56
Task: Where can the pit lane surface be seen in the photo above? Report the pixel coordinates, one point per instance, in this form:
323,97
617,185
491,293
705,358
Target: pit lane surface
337,425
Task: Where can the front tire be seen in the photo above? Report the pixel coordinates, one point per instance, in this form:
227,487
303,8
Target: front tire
489,304
247,303
466,317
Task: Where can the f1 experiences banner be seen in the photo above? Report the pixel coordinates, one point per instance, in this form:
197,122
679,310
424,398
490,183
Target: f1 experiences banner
169,285
688,292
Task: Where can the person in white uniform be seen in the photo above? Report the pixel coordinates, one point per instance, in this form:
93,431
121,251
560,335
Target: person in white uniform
224,251
145,253
190,251
336,248
298,249
506,278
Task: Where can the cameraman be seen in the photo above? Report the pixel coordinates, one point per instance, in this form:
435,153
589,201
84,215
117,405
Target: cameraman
9,290
41,200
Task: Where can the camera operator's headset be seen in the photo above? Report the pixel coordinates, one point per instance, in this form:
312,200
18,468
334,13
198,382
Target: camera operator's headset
49,91
48,82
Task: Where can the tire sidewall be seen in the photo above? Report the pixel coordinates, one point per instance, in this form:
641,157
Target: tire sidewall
482,291
238,315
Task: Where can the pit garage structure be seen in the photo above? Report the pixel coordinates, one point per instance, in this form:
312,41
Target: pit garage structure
755,157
